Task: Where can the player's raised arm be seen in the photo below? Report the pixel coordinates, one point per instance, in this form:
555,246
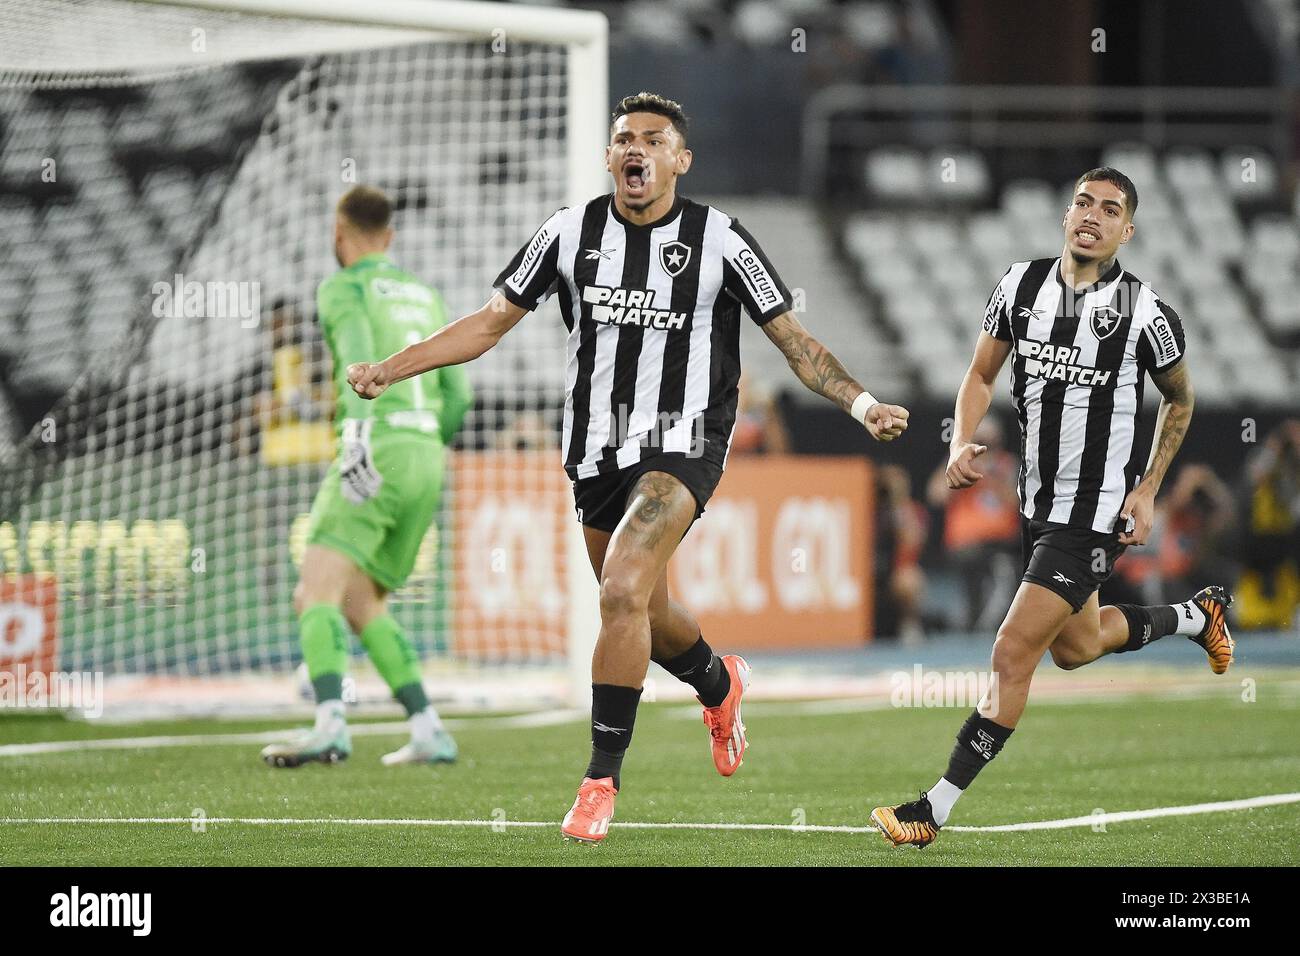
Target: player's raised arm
461,341
822,372
973,400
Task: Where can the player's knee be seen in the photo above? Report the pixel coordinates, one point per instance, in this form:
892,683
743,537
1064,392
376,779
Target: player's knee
1012,655
621,596
309,593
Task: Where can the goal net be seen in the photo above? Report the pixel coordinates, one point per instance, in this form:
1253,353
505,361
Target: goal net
168,173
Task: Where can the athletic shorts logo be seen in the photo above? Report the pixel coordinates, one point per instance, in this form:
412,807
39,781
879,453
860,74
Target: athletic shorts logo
1105,320
1058,576
674,257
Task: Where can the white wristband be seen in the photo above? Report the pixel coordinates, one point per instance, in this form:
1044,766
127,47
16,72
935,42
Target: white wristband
861,405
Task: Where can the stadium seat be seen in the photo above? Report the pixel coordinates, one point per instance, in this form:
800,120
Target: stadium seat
866,236
1249,174
1030,201
990,238
932,238
897,174
1191,171
970,180
1135,160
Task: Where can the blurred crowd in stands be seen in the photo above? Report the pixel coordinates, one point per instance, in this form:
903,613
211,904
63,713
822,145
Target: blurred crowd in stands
951,560
965,545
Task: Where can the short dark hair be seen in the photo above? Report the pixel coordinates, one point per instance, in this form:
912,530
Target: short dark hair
644,102
1108,174
367,208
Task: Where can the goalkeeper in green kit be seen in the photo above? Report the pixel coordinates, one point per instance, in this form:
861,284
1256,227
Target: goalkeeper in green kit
380,494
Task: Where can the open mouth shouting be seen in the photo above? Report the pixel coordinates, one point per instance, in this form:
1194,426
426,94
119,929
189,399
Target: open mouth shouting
637,176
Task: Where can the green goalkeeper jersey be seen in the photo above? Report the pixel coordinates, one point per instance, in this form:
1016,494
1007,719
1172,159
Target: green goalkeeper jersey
367,312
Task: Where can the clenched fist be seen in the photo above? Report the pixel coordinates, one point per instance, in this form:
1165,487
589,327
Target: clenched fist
368,379
886,422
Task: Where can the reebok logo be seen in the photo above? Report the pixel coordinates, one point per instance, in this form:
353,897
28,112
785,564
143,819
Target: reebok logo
1058,576
605,728
598,254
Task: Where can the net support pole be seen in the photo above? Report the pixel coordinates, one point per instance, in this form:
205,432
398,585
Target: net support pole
588,132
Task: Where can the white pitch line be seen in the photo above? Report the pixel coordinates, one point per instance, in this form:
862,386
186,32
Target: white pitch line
1123,816
384,729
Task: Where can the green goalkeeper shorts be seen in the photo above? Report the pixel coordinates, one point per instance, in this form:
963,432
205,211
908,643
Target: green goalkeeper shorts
382,535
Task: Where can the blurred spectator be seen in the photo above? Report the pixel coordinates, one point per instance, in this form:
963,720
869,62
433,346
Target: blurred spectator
1268,593
901,527
981,529
1181,554
293,415
759,428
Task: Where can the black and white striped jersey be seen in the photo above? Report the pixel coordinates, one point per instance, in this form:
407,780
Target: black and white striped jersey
653,313
1078,364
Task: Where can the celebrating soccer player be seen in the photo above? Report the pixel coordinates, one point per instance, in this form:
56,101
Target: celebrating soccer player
650,287
380,495
1084,333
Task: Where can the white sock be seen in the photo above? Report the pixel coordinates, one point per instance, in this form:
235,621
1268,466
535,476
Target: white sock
1191,619
330,716
942,797
425,723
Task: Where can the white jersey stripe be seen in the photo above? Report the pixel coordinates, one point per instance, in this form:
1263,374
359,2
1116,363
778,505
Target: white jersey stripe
600,420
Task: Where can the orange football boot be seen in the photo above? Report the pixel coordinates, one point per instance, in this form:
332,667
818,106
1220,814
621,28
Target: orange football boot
588,819
724,723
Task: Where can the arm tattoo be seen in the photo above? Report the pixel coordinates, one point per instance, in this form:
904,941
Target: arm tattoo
812,362
1172,420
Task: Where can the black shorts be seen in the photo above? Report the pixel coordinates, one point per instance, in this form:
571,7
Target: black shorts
602,499
1073,562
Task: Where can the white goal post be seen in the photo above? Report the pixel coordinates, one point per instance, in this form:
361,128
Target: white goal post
201,144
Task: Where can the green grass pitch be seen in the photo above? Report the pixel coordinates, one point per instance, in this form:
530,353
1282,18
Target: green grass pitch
1068,759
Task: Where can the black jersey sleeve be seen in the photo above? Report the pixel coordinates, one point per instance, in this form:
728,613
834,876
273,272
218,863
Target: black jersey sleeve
1161,345
997,319
749,276
530,276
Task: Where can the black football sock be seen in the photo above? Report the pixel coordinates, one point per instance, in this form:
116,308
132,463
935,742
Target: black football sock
1147,624
703,670
978,742
613,714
